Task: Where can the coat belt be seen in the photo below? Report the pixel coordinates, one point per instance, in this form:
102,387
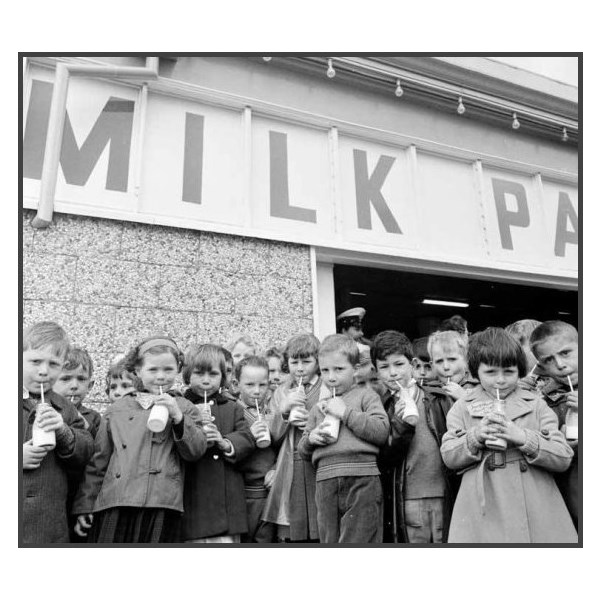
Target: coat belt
495,460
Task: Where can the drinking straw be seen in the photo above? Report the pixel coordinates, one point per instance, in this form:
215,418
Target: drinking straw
257,410
570,384
447,382
532,370
333,392
205,403
42,393
498,394
160,389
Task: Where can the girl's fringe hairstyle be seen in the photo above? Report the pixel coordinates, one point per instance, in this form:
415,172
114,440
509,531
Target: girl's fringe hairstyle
158,344
204,357
303,345
390,342
117,370
339,342
46,333
496,348
448,340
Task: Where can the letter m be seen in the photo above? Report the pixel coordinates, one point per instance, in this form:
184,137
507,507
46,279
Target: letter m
113,126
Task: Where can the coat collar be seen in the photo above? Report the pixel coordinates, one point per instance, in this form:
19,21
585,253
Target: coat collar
518,403
195,399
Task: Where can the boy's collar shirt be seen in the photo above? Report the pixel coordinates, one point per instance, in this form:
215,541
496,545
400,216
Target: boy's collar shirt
311,383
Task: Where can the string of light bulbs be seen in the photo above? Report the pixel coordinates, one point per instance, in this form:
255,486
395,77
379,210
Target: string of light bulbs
399,92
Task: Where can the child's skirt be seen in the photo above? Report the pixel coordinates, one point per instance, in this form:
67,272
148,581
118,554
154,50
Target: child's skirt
126,525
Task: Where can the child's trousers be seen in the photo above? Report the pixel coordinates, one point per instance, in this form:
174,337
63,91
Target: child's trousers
350,510
424,519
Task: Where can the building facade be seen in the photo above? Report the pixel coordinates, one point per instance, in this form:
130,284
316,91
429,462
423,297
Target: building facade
202,196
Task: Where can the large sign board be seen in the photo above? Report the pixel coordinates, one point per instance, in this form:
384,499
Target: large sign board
208,167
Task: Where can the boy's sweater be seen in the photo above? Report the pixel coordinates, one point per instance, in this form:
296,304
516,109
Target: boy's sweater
363,428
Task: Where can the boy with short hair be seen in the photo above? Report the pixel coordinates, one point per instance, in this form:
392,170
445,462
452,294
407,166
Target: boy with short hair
348,491
74,384
418,489
252,374
45,469
451,377
422,371
555,344
120,381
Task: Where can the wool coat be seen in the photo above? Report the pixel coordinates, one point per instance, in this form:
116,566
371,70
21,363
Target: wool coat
135,467
214,499
44,516
514,502
555,395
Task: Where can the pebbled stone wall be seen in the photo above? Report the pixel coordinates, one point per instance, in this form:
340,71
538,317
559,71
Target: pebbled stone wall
110,283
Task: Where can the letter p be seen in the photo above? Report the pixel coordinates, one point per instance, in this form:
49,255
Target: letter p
510,218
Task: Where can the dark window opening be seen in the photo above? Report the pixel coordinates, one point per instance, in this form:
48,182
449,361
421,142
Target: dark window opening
394,300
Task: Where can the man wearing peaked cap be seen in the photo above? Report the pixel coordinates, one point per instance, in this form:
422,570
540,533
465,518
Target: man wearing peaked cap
350,322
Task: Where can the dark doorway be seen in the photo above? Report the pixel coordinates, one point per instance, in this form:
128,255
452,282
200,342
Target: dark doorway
394,300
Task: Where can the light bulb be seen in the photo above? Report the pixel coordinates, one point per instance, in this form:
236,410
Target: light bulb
460,109
330,69
515,123
267,58
565,135
399,91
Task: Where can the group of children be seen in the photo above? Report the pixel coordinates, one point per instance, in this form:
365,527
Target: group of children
447,439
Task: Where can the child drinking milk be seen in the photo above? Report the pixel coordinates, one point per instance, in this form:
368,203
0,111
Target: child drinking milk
215,505
291,501
133,487
505,496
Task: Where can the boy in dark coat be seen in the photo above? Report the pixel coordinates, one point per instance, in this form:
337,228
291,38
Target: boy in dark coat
74,384
418,489
555,346
252,375
46,467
